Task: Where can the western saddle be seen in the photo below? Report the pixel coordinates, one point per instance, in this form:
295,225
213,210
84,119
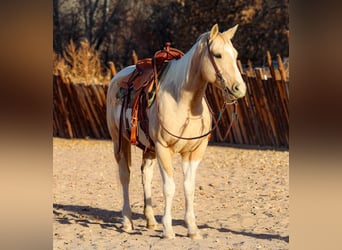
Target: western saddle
138,92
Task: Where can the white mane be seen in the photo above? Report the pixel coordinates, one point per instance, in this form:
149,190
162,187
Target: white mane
178,70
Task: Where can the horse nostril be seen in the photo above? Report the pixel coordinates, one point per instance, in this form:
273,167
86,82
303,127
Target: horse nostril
236,87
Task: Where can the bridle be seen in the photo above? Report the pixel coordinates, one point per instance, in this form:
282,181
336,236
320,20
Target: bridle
225,90
217,71
227,101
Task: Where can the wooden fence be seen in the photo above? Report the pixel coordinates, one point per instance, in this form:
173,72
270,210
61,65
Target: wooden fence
79,110
263,116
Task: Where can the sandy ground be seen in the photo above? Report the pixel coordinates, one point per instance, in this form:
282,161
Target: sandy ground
241,200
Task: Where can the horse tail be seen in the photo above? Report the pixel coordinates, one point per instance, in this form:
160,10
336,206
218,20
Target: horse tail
128,154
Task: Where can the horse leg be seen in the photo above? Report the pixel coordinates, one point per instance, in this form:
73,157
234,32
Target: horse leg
123,161
189,170
164,159
147,167
190,163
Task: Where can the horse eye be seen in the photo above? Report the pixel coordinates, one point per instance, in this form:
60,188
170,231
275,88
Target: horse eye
218,55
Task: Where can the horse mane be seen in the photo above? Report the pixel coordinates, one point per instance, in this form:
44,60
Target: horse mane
178,72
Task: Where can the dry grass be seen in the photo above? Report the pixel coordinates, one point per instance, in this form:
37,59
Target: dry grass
81,64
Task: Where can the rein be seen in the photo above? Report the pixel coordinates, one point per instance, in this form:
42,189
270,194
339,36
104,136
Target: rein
225,103
234,114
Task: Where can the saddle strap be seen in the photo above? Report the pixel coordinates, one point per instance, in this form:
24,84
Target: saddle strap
134,119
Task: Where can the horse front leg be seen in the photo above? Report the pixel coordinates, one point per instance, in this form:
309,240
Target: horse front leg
189,170
190,163
147,168
165,159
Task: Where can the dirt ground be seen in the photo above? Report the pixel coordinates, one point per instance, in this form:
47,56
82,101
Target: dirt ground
241,200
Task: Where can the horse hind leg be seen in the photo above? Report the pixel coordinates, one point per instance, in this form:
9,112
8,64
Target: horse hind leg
123,160
147,169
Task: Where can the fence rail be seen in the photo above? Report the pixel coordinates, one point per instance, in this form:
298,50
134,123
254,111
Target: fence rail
263,115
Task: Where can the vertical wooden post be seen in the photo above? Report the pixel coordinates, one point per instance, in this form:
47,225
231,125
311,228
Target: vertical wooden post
281,68
270,65
250,68
240,66
134,57
112,69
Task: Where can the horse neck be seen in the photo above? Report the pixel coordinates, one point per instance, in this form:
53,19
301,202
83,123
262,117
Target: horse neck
189,83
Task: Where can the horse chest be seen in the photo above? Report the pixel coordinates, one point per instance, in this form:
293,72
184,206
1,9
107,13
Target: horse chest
183,146
187,129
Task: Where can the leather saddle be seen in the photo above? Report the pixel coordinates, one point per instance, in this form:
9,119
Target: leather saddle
137,91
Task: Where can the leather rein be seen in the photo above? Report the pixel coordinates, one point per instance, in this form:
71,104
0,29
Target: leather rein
225,94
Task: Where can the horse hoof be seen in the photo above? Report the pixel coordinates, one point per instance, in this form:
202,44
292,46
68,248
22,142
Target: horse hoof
127,228
152,226
169,236
195,236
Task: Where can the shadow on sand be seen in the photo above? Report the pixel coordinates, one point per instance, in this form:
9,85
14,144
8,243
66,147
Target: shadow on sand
85,215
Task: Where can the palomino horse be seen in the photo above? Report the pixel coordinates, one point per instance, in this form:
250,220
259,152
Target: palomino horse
180,109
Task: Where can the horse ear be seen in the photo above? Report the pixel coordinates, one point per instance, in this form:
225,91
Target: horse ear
213,32
230,33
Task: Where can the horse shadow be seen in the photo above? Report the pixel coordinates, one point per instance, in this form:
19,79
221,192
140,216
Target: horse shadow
110,219
86,215
249,234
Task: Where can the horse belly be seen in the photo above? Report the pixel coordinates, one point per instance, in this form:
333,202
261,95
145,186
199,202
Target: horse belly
128,127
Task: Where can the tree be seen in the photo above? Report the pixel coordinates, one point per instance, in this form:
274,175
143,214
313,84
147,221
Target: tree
115,28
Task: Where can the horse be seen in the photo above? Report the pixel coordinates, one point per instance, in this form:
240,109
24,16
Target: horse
178,122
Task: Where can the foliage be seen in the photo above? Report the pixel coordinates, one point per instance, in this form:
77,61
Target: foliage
81,64
115,28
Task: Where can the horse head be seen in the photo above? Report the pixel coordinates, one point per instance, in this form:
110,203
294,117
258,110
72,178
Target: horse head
220,62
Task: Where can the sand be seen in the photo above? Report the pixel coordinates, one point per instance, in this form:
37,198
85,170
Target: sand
241,200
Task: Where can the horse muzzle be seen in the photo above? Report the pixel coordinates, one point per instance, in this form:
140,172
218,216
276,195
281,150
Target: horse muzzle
238,90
